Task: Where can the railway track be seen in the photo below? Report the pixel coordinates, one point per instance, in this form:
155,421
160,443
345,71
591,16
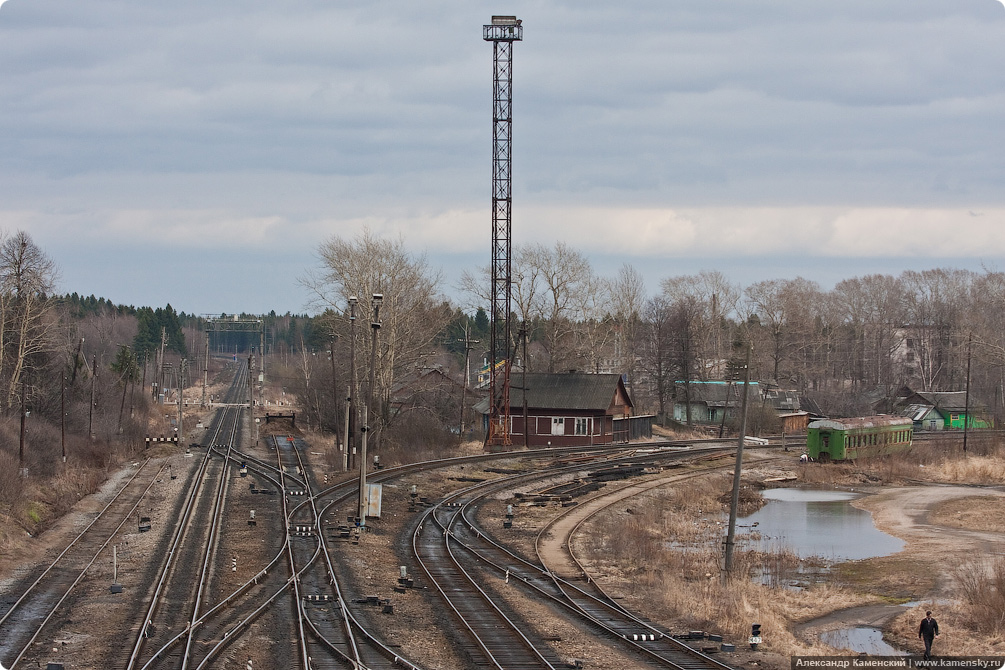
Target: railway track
196,609
453,550
331,636
24,619
167,634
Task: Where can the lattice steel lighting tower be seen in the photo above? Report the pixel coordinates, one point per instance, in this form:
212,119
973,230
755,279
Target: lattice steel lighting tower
502,32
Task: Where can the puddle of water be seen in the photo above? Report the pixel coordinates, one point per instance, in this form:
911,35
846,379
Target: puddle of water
817,523
808,495
863,639
929,603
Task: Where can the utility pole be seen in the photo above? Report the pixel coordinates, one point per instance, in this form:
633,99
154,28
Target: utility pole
261,365
331,355
90,413
62,415
966,401
735,500
523,384
350,411
378,298
468,342
160,361
181,399
24,414
205,372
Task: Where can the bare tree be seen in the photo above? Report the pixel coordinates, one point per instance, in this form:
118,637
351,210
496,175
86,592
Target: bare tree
412,315
657,345
718,299
27,279
555,293
685,328
787,311
553,282
934,302
628,302
595,330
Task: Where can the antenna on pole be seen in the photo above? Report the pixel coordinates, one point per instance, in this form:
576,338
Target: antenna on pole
502,32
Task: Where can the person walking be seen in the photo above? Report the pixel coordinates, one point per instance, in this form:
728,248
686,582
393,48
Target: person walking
928,631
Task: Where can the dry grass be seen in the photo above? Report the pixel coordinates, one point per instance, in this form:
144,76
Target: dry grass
981,513
958,634
668,547
683,433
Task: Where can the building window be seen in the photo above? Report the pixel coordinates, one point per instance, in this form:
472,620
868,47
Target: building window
558,425
582,426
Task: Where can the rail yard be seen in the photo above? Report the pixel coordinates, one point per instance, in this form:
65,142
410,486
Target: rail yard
236,552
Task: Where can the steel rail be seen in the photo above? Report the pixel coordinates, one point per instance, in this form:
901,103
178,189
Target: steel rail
505,482
39,626
305,659
181,531
211,542
493,631
316,524
604,612
229,601
350,626
168,563
230,635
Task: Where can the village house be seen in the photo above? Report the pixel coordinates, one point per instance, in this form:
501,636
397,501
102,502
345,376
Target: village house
567,410
940,410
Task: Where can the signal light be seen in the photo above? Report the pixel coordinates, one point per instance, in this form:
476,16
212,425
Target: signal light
755,635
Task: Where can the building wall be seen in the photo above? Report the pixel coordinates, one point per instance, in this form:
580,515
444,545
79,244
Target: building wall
795,424
563,428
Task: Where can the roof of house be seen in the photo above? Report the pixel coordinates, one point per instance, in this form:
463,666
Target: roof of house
565,391
783,401
947,400
917,412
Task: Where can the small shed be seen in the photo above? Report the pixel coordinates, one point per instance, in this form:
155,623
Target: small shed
794,422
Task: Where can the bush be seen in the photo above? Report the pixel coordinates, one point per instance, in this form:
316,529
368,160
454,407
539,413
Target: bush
981,582
413,437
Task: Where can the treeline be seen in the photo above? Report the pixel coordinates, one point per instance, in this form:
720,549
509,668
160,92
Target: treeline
845,348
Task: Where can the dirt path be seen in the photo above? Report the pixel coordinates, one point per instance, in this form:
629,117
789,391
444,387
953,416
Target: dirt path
905,512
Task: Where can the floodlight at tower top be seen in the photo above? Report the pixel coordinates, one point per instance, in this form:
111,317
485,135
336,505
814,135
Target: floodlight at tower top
503,29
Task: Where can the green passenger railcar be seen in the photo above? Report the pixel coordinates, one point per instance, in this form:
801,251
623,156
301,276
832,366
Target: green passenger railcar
861,437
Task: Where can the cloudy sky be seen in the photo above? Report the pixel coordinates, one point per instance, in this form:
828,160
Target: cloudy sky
197,152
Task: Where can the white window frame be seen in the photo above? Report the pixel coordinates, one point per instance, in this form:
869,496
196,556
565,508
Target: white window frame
558,425
582,425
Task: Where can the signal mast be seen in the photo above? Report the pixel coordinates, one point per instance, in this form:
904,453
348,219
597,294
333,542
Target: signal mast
502,32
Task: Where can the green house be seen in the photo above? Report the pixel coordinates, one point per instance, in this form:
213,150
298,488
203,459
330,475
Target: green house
942,410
